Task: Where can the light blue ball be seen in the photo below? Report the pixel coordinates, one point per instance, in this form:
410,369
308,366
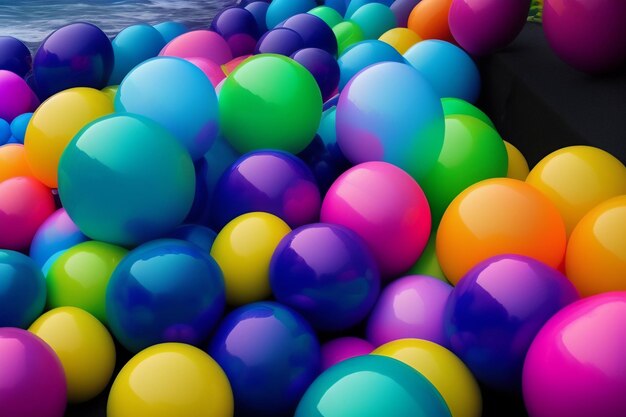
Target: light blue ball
131,47
362,55
281,10
19,125
176,94
355,5
170,30
450,70
374,19
22,290
5,131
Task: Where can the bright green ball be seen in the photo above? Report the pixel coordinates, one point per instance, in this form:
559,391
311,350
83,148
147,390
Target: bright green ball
455,106
270,102
327,14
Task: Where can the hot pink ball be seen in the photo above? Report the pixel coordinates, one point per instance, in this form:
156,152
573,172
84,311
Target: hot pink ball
213,71
410,307
387,208
199,44
32,380
25,204
482,27
16,97
339,350
589,35
576,366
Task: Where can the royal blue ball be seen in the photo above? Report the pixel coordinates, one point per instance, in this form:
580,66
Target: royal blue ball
199,235
22,290
239,28
280,41
314,32
19,125
259,11
322,65
14,56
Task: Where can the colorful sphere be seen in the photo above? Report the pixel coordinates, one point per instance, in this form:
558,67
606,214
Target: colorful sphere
170,30
410,307
213,71
326,273
578,178
171,379
199,235
371,385
281,10
83,345
518,166
32,382
443,369
55,123
386,208
339,350
25,204
596,253
199,44
374,19
347,34
285,353
166,290
314,32
23,99
15,56
99,170
19,126
456,106
239,29
389,112
23,290
400,38
429,19
132,46
496,310
281,41
495,217
13,161
329,15
363,54
57,233
354,5
259,12
55,65
575,366
323,66
482,27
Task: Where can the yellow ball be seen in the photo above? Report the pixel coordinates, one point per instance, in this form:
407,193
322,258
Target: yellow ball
243,250
400,38
168,380
596,253
518,167
577,179
83,345
443,369
55,123
110,92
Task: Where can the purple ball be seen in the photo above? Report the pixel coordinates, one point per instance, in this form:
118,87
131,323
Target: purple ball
259,11
588,35
76,55
22,99
56,234
239,28
280,41
326,273
495,311
275,182
14,56
338,350
402,9
314,32
410,307
32,380
322,66
482,27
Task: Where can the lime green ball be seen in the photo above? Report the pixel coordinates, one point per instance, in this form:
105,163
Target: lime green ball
79,277
270,102
327,14
455,106
347,33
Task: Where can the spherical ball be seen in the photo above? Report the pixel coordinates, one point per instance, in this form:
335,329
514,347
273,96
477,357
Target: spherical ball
199,235
371,385
456,106
363,54
199,44
410,307
499,216
386,208
400,38
132,46
322,65
518,166
56,234
329,15
13,162
259,12
32,382
19,126
326,273
22,100
172,379
347,34
429,19
166,290
343,348
314,32
285,354
496,310
239,29
575,366
281,41
213,71
268,91
23,290
281,10
374,19
83,345
14,56
170,30
114,198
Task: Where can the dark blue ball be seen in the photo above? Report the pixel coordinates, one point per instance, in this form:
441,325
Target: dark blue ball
314,32
322,66
280,41
14,56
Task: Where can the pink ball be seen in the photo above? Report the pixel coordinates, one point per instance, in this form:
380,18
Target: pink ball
387,208
212,70
16,96
482,27
339,350
199,44
32,380
410,307
25,204
576,366
589,35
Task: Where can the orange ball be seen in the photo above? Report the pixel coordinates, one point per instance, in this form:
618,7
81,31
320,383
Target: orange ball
499,216
13,162
596,254
429,19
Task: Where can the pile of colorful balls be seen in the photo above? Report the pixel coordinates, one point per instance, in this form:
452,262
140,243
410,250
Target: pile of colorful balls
298,212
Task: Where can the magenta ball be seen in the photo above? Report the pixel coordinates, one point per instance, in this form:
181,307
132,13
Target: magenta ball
590,35
32,380
199,44
410,307
576,366
387,208
339,350
482,27
213,71
17,97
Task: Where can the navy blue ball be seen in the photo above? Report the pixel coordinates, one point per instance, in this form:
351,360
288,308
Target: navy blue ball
15,56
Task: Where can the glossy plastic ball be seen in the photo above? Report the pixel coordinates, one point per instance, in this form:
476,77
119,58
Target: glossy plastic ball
199,235
343,348
400,38
281,10
314,32
15,56
374,19
347,34
132,46
22,290
239,29
323,66
57,233
23,99
363,54
170,30
429,19
199,44
19,125
259,12
281,41
456,106
13,162
329,15
518,166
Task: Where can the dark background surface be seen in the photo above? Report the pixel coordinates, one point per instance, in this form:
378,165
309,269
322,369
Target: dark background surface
539,104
